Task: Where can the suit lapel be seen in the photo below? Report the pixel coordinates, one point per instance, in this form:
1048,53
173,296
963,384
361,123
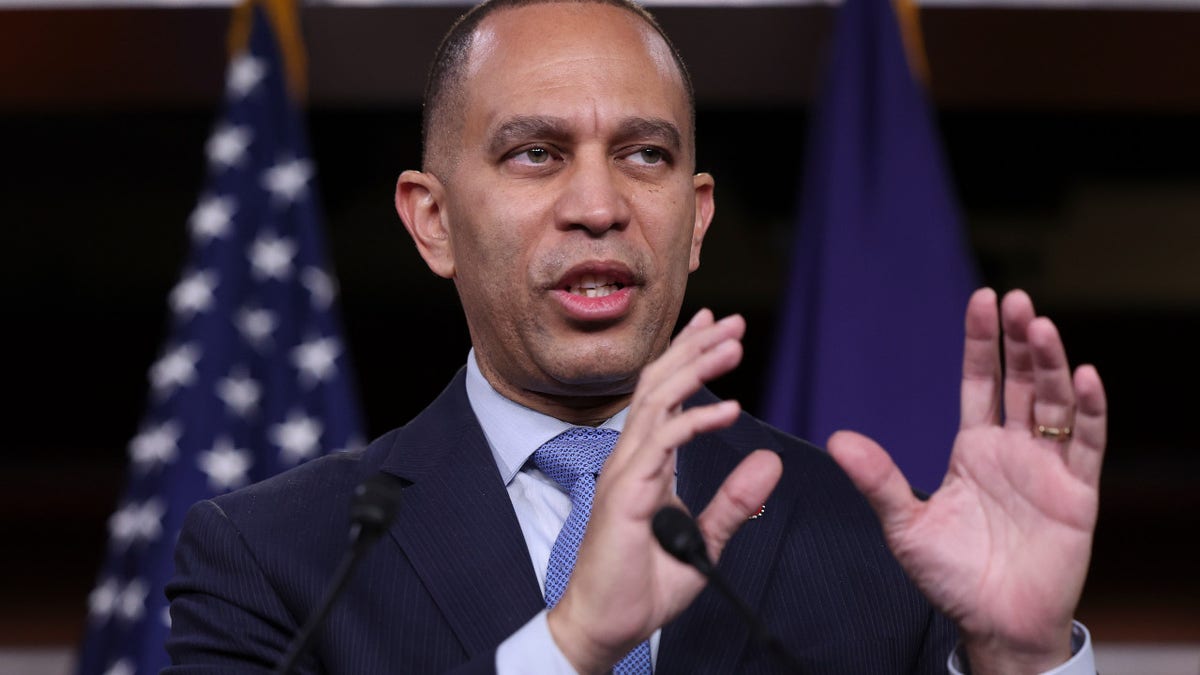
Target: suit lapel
746,562
457,526
458,530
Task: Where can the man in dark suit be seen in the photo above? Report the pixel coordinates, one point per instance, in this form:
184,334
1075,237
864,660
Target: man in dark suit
558,193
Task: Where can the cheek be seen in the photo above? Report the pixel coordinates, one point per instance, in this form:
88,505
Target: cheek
671,240
492,255
507,225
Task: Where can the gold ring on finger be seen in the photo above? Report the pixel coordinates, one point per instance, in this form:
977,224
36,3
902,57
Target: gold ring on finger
1060,434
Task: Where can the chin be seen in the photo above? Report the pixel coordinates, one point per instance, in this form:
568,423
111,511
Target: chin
596,373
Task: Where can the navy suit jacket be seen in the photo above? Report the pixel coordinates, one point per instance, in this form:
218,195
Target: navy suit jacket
453,578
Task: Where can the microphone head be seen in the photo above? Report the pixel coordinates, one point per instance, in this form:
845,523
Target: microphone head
375,502
678,534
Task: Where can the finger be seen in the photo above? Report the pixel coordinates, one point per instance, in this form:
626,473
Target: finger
660,397
1054,394
703,317
742,495
674,387
1016,313
696,339
703,351
876,476
980,393
708,352
1086,450
649,458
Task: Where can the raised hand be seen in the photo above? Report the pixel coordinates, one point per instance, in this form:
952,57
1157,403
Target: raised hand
624,586
1002,547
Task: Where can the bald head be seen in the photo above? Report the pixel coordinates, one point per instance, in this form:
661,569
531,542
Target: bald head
445,90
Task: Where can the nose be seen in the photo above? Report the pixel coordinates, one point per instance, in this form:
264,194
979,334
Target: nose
593,197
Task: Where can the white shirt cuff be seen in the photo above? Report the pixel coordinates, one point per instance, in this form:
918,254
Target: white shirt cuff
532,650
1082,661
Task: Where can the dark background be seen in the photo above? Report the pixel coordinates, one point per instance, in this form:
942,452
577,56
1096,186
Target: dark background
1073,137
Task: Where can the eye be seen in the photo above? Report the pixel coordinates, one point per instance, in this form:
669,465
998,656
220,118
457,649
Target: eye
537,155
533,155
649,156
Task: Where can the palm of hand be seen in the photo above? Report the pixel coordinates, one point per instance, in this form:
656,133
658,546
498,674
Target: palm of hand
999,546
624,585
658,586
1002,547
655,587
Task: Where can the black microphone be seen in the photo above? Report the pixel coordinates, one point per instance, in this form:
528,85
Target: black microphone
678,535
374,507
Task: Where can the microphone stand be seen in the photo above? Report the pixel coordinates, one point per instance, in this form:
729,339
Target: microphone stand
374,507
677,533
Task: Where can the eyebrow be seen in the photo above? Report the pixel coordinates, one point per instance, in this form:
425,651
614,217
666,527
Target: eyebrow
527,127
655,129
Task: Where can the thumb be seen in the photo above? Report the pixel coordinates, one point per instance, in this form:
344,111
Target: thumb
742,494
876,476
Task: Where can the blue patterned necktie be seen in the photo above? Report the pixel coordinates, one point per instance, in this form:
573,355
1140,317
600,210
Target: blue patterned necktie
572,459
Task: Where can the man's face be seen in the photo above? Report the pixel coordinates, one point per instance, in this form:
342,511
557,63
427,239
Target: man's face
571,212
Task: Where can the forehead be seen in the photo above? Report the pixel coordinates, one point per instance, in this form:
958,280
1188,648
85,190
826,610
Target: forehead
571,60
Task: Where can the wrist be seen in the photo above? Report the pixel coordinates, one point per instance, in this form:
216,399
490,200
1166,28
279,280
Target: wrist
584,655
995,655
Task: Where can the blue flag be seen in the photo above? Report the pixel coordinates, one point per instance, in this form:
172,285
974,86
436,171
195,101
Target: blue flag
871,331
253,379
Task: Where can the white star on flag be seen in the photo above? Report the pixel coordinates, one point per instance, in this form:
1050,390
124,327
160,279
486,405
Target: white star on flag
103,599
225,465
227,146
245,72
121,667
271,256
177,368
193,294
298,438
240,392
288,179
155,446
135,522
256,325
320,285
211,218
315,359
132,602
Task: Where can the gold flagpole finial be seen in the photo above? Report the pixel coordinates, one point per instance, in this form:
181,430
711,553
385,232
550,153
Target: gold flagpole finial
285,24
908,16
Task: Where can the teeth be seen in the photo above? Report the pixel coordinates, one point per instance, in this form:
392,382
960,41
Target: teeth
593,286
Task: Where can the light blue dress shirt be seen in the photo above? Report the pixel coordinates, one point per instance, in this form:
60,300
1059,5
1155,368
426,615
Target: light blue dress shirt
514,433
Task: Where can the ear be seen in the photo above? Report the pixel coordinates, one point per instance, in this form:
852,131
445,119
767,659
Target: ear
419,202
705,208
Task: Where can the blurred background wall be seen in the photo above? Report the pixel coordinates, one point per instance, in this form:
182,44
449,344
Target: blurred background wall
1073,135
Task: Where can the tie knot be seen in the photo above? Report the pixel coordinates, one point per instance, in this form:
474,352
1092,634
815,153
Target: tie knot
575,452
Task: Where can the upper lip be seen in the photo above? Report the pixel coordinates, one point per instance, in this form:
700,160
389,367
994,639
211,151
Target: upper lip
608,270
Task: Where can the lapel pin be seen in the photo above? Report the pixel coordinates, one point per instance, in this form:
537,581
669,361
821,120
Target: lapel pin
761,510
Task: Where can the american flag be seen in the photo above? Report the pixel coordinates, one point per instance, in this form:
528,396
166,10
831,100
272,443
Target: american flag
253,379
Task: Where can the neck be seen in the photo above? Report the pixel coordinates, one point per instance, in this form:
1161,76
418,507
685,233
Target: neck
580,405
584,411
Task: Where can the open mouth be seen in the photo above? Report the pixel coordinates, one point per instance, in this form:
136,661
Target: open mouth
594,286
597,292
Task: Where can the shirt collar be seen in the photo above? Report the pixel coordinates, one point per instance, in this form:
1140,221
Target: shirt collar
514,432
